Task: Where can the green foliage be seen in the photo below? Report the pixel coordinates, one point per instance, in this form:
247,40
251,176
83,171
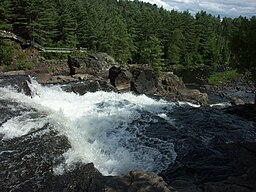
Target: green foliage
243,46
63,56
21,63
222,77
12,57
124,28
6,52
5,14
151,53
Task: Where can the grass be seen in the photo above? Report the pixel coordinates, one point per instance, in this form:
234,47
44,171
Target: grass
222,78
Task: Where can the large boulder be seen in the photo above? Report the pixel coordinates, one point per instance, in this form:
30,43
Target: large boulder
93,64
148,181
120,78
169,82
170,85
144,81
138,80
113,73
19,82
192,95
88,178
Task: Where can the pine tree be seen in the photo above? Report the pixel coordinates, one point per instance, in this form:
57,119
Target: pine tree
152,53
66,24
5,15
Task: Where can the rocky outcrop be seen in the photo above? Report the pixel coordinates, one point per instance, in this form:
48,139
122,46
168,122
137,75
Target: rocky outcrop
48,78
20,82
147,181
170,83
120,78
93,71
137,80
192,95
88,178
172,86
144,81
239,91
93,64
83,87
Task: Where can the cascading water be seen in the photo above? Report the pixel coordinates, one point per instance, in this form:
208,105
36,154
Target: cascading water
47,139
105,128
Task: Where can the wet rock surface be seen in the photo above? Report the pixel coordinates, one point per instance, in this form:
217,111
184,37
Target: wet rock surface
83,87
27,162
120,78
211,147
239,91
247,111
216,151
92,64
144,81
19,82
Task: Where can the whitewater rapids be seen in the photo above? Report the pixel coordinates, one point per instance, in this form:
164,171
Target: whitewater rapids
105,128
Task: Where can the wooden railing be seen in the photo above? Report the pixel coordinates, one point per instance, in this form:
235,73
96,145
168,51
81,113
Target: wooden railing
12,36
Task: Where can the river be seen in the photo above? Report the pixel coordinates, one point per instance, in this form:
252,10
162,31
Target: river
51,131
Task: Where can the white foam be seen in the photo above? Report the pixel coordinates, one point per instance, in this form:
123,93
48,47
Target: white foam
20,125
182,103
100,127
221,105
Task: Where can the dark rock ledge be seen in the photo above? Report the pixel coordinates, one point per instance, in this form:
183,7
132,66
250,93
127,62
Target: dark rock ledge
87,178
101,72
206,161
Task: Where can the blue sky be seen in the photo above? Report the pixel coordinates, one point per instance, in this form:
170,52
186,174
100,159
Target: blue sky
224,8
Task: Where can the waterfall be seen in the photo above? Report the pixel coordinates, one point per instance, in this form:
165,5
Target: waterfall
105,128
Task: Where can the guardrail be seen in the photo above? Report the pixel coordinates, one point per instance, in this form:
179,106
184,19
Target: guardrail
10,35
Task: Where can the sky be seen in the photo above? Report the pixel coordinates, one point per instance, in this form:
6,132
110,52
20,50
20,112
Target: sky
224,8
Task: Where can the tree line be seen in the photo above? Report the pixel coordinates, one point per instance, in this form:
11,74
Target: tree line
134,31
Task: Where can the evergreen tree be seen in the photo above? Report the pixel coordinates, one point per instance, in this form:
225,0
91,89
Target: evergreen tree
151,53
6,15
123,29
66,24
116,41
243,46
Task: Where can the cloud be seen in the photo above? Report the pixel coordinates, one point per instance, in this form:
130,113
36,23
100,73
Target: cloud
159,3
224,8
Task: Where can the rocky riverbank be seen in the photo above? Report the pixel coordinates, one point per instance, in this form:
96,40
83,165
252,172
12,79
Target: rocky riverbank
239,91
101,72
215,148
216,152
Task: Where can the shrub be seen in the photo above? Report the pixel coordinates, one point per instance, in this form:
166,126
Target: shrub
6,53
222,77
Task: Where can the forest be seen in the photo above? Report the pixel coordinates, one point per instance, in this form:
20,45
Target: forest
135,32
